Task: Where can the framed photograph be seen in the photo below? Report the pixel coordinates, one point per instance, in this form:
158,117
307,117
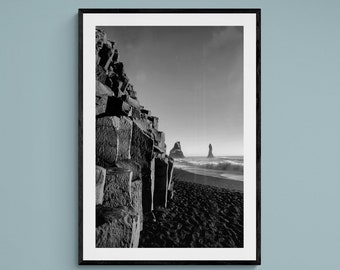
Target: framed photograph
169,136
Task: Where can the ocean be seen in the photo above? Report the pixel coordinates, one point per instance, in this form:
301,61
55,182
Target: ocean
227,167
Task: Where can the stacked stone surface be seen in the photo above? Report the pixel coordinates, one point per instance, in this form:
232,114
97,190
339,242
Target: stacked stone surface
133,172
117,190
100,183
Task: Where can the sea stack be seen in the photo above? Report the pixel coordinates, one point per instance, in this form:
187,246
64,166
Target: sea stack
176,151
210,154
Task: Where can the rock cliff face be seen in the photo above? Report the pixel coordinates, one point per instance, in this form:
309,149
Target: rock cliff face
133,172
176,151
210,154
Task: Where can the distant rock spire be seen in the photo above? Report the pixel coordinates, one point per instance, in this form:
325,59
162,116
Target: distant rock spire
176,151
210,154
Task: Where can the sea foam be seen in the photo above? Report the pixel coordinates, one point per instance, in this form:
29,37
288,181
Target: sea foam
219,163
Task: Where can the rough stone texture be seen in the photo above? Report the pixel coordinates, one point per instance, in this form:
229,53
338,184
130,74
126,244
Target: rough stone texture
117,190
158,151
101,74
131,165
210,154
162,142
160,139
101,103
154,121
124,133
106,141
133,151
117,227
100,182
132,102
149,123
141,145
113,234
158,136
141,152
103,90
161,182
143,124
136,199
135,113
101,36
137,227
176,151
113,140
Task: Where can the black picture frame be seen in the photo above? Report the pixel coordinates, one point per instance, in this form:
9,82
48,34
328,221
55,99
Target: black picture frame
85,261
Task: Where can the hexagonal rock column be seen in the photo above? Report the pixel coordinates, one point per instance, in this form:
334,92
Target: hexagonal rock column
136,200
106,140
119,220
141,152
100,182
161,182
113,140
117,190
124,138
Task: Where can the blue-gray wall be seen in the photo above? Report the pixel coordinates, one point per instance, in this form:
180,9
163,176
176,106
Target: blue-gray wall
300,131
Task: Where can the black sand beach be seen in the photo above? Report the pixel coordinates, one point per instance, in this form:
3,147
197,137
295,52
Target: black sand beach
185,176
199,215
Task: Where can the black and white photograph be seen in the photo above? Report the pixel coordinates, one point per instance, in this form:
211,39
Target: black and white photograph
170,137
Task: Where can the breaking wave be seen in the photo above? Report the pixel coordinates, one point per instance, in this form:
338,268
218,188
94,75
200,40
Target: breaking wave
223,164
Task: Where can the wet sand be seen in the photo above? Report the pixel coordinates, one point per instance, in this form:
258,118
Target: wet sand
199,215
208,180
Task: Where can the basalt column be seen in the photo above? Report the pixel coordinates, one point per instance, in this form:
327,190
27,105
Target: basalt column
133,172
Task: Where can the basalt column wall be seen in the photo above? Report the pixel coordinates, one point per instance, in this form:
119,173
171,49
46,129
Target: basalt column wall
133,172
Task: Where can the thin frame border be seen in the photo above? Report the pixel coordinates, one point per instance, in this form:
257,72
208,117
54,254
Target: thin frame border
81,261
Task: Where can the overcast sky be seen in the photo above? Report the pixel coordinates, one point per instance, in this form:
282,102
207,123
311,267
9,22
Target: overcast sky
192,79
